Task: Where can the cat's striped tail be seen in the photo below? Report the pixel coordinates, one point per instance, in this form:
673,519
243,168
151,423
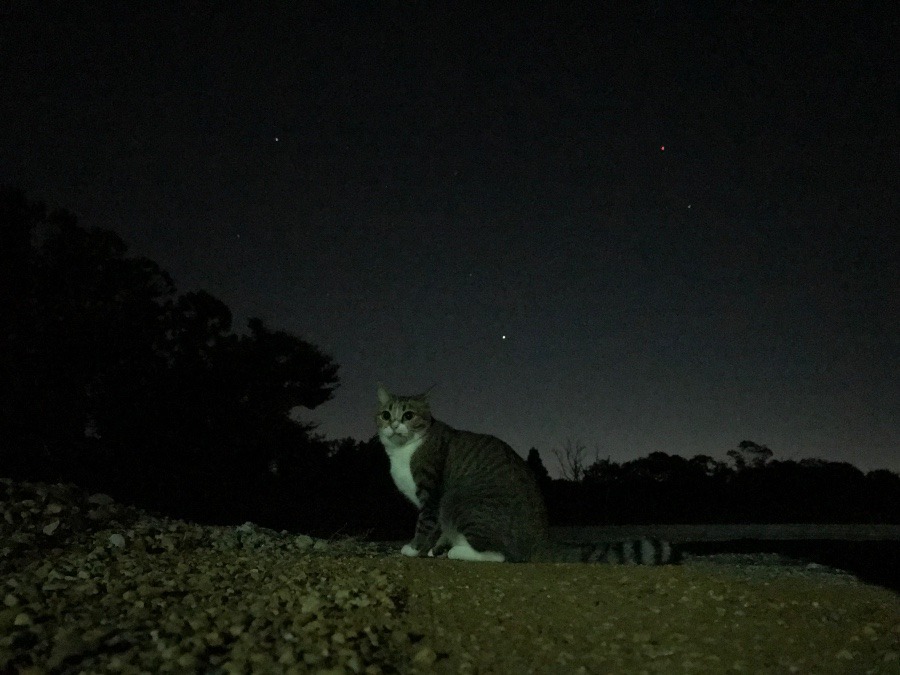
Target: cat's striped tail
631,552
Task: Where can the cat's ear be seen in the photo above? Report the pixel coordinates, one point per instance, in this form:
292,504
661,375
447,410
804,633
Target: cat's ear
424,395
383,395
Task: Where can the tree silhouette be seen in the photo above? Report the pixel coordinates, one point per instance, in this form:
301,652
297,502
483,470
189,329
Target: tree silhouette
367,501
79,311
750,455
276,372
111,378
756,488
572,459
537,467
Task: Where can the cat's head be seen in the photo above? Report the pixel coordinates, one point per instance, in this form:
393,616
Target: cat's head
401,419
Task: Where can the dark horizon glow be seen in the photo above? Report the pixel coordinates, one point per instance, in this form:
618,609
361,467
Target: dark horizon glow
652,228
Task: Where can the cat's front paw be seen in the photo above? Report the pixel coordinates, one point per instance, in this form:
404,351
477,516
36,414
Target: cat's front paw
439,550
409,551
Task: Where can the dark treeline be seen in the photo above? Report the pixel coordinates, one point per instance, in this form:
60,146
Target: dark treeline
751,487
114,380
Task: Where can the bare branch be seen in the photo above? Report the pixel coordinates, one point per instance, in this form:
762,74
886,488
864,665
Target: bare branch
572,460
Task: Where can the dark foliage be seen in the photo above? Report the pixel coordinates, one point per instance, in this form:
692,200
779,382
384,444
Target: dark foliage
662,488
113,380
536,464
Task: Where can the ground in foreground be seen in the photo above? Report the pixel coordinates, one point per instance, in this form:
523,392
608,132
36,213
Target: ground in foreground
88,585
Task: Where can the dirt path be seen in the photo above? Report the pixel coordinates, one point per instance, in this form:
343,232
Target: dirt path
596,619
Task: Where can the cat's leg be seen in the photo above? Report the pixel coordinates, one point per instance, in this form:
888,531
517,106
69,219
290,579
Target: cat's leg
456,524
462,550
441,546
427,529
423,541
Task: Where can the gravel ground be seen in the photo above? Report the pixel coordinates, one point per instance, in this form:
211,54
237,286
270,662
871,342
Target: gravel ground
88,585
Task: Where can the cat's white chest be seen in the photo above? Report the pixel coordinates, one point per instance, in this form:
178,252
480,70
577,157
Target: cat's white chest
401,471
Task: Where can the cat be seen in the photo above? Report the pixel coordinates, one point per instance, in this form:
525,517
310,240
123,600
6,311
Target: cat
477,499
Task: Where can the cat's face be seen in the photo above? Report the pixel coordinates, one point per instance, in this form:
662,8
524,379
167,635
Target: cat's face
401,419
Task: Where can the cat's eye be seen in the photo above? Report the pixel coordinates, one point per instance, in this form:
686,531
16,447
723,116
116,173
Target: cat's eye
408,415
385,415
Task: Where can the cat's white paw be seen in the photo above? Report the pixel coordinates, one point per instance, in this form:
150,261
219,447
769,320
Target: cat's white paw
409,551
466,552
431,553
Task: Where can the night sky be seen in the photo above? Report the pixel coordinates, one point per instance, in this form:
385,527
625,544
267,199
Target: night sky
651,228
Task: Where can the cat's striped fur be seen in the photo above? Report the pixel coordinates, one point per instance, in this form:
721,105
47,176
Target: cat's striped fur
477,498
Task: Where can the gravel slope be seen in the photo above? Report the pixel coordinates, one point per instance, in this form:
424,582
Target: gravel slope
88,585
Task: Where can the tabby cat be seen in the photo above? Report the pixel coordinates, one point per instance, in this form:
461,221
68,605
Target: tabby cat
477,498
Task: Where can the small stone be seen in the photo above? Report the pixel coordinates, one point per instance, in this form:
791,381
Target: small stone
302,541
186,661
213,638
310,604
117,540
425,656
50,528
